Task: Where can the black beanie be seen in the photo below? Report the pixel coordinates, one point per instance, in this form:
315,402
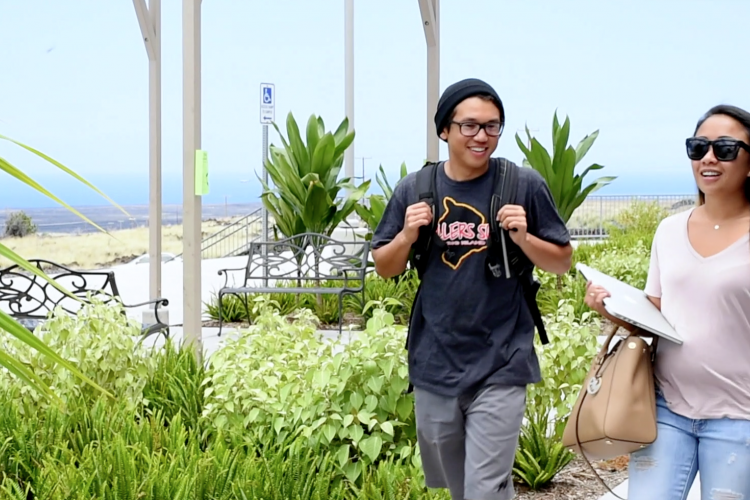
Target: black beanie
456,93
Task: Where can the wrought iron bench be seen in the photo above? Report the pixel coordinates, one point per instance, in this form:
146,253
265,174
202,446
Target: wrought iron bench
307,260
29,298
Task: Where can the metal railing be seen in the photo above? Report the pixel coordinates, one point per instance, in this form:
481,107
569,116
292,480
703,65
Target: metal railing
596,212
235,239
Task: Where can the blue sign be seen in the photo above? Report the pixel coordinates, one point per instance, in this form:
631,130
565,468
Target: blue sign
267,103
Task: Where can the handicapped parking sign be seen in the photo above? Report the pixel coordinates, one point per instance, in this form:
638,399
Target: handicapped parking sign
267,104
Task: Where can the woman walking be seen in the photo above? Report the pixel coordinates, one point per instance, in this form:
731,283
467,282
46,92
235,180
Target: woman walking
699,276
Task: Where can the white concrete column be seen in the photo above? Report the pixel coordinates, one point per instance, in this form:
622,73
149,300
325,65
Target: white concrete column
430,12
149,20
191,141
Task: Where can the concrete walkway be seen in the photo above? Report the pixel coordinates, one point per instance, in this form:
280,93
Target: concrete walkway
622,491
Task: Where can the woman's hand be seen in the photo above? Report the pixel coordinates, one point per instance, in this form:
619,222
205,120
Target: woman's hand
595,296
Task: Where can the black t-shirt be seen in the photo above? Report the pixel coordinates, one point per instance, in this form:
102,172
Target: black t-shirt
468,329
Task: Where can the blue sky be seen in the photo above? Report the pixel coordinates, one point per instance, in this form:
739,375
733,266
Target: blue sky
75,83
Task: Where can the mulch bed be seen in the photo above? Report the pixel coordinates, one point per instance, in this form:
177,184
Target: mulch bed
578,482
352,319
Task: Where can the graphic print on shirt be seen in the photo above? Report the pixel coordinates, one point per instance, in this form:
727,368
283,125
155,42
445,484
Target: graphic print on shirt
465,231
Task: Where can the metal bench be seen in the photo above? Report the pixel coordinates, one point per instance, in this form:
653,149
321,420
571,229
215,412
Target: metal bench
29,298
307,261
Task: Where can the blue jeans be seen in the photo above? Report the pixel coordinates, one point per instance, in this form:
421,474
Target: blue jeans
719,448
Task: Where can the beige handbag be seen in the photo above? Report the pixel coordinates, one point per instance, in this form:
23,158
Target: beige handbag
615,413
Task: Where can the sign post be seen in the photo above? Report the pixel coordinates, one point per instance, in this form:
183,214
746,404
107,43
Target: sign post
267,117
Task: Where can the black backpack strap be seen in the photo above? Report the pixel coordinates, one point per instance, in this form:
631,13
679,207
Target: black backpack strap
505,258
505,181
426,177
426,192
530,289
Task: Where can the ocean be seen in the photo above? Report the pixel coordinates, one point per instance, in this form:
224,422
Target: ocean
132,194
61,220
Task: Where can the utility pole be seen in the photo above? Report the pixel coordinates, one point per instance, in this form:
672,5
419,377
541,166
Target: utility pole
349,81
362,177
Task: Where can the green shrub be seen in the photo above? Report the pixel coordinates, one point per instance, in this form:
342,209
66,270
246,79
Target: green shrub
540,455
625,255
174,388
638,222
348,397
103,343
402,288
391,480
564,362
107,451
19,224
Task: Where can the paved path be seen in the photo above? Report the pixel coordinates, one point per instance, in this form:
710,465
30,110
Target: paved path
622,491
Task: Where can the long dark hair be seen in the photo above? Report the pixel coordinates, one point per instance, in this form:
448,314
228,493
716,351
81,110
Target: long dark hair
741,116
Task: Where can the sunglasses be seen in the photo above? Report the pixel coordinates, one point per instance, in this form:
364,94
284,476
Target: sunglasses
725,149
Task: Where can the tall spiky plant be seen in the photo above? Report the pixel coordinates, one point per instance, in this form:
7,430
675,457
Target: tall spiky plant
558,170
306,186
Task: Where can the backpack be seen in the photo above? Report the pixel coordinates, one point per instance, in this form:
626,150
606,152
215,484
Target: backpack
504,259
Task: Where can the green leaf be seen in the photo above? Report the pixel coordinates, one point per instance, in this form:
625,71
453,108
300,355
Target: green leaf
352,471
313,133
26,265
13,171
66,170
565,176
329,431
323,156
317,207
387,427
404,408
560,147
356,433
584,146
371,403
9,325
342,455
278,424
356,400
371,447
541,161
297,149
26,375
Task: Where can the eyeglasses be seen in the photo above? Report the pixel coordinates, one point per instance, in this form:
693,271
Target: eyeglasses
725,149
470,129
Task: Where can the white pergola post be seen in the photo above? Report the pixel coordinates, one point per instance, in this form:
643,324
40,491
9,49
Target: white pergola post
430,11
349,81
191,204
149,19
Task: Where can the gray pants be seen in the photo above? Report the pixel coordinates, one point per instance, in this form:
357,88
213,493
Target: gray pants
468,444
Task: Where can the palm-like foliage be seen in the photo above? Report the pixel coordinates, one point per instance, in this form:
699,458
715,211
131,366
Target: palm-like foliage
559,169
305,196
7,323
374,213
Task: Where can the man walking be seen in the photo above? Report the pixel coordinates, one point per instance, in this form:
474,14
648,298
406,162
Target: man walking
470,346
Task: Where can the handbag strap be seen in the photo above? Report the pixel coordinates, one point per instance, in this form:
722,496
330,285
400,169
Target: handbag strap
600,359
